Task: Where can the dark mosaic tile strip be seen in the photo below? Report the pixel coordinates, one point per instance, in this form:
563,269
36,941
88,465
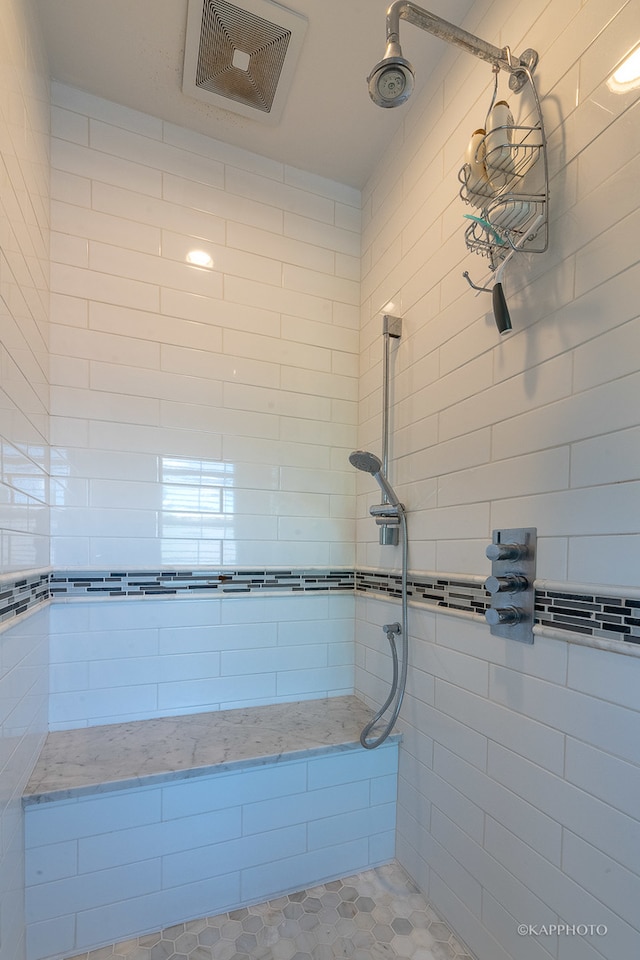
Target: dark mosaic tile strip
590,615
608,618
172,582
595,615
448,594
20,595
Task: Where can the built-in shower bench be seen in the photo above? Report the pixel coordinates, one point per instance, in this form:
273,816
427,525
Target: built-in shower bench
130,827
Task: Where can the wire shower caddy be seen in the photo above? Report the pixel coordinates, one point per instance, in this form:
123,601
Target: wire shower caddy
512,210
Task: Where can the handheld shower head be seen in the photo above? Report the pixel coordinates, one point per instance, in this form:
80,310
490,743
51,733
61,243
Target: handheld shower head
391,80
363,460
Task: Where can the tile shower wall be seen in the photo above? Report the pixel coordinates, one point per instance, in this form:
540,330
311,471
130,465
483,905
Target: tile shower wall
137,659
200,415
24,295
518,762
239,837
519,776
24,249
23,726
539,428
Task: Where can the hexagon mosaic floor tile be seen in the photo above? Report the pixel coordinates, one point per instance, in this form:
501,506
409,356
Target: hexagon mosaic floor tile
376,915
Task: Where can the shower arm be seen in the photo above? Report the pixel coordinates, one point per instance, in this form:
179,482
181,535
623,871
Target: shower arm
500,57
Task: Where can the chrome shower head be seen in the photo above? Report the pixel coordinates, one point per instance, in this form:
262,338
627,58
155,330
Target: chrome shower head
363,460
391,80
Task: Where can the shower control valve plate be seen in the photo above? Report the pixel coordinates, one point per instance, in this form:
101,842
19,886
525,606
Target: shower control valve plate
511,584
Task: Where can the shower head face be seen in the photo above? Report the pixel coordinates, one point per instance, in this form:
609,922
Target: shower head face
391,80
363,460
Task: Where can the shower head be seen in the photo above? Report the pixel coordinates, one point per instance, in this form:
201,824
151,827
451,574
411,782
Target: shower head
391,80
363,460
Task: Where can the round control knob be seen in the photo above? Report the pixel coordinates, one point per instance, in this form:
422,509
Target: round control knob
503,615
507,584
506,551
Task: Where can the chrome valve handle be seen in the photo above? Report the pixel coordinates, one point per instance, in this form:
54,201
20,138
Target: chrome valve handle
503,615
508,584
505,551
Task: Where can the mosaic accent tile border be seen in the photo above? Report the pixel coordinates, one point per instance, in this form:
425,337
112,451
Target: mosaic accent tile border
24,593
589,614
593,615
174,582
467,595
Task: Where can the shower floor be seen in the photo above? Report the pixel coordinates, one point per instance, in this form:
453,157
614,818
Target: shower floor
375,915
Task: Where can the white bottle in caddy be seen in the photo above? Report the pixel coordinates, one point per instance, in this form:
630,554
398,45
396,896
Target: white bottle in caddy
477,181
499,155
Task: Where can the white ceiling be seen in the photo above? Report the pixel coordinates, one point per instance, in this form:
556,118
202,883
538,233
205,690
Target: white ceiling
131,52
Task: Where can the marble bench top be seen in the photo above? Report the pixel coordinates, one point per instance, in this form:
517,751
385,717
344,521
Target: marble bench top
116,756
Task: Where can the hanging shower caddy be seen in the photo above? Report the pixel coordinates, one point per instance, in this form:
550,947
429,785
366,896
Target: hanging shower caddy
509,212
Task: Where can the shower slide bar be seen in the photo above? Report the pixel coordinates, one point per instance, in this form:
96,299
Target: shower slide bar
391,329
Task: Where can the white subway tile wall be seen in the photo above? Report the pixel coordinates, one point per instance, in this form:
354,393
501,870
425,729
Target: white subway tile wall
516,773
131,861
199,415
562,385
204,417
24,293
24,688
517,761
24,402
134,660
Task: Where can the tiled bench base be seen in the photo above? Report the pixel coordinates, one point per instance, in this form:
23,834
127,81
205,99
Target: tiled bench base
164,841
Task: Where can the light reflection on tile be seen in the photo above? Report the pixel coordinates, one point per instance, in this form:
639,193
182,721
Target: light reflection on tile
198,507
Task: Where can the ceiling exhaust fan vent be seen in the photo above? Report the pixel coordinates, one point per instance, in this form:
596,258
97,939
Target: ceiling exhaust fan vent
242,58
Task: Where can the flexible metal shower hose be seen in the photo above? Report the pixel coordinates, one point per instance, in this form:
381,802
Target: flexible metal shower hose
398,684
